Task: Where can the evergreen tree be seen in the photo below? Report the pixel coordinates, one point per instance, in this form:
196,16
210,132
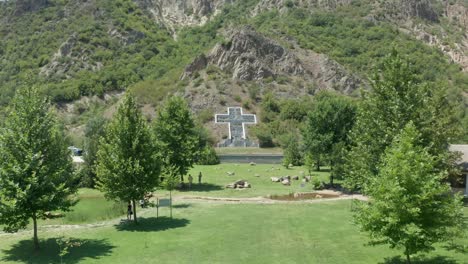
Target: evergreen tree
410,206
128,166
36,167
396,98
176,136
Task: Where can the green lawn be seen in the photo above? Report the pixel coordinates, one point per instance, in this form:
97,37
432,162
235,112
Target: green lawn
214,178
249,150
92,207
214,233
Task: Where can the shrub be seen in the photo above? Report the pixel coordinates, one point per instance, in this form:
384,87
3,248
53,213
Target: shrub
317,184
208,156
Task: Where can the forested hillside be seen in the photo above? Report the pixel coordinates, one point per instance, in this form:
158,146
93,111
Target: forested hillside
222,52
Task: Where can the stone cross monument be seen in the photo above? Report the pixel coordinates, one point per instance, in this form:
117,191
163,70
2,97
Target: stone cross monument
236,121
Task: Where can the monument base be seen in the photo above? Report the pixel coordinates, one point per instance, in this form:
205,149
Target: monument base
240,143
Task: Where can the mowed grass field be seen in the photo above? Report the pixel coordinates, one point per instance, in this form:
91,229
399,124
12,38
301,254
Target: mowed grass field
221,233
209,232
215,178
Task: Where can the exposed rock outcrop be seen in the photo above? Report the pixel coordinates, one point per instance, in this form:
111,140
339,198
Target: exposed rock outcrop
265,5
410,9
70,57
250,56
179,13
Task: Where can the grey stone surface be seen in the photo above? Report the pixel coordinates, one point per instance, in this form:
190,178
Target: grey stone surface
236,120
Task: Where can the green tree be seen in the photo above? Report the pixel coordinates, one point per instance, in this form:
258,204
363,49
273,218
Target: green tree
171,180
128,166
410,206
292,153
176,136
270,108
396,98
93,131
36,168
327,125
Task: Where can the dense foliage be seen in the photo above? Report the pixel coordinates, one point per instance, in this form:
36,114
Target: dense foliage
128,164
410,206
36,169
174,130
397,98
327,126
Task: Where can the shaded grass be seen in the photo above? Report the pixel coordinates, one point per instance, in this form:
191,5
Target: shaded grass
23,252
152,224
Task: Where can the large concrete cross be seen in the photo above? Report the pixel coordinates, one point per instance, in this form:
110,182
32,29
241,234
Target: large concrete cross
236,120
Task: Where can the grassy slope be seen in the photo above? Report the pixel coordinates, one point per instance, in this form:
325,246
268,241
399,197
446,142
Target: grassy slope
207,233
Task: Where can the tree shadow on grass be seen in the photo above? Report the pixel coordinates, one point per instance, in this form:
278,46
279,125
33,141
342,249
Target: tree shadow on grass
181,206
23,251
462,249
152,224
420,260
204,187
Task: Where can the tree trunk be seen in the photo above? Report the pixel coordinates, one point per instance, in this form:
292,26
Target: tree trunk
134,212
36,240
408,259
317,165
170,201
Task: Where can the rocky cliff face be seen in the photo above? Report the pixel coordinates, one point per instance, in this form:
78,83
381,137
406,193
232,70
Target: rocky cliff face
454,43
409,9
282,5
179,13
249,56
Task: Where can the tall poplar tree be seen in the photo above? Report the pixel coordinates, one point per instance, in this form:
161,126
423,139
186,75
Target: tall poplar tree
128,165
35,164
174,129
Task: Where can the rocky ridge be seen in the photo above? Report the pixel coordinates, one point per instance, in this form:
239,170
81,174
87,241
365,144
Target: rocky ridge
249,56
179,13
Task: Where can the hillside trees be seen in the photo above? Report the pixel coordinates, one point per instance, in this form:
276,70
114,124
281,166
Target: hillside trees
93,132
326,128
128,165
36,168
410,207
177,139
398,97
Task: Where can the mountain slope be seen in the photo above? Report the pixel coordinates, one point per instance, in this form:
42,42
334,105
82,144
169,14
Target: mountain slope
222,52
